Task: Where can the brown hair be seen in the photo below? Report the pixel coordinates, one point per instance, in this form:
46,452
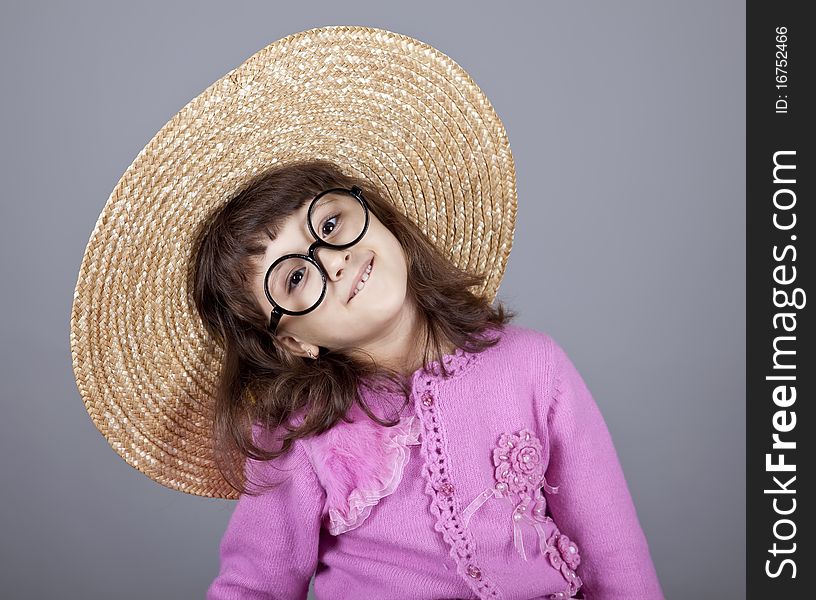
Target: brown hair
261,381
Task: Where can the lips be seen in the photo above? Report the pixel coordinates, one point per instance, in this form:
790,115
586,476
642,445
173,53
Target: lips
360,277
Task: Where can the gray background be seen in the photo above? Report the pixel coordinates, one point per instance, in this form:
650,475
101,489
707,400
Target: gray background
627,123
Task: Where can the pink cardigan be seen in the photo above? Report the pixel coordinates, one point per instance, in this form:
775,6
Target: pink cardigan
500,481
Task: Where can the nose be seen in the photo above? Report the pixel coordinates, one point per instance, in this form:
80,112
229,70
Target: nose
334,262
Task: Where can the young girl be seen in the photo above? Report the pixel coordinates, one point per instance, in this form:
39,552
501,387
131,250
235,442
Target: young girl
489,474
322,332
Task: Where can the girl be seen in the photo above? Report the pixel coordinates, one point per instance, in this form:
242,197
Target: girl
311,330
488,472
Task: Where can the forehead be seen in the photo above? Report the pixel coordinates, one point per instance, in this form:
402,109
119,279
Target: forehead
293,235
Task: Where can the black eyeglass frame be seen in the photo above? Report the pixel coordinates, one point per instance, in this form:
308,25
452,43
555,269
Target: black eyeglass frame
277,311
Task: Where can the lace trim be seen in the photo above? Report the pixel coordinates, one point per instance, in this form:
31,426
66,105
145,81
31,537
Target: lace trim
361,500
454,363
444,505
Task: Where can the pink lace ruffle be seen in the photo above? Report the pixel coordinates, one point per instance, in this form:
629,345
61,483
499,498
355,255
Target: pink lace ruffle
350,509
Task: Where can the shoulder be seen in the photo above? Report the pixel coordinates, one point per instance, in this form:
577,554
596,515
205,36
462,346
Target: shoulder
540,344
523,345
535,358
521,364
525,336
294,462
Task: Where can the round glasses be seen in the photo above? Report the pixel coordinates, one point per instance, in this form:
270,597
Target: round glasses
295,284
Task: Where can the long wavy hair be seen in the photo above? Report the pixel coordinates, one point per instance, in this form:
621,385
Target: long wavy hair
261,381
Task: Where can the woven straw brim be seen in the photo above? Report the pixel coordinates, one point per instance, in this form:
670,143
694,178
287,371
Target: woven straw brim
384,106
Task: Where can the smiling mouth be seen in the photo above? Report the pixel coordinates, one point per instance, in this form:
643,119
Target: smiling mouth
356,291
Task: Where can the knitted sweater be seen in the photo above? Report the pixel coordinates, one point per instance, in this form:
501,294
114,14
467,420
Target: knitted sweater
500,481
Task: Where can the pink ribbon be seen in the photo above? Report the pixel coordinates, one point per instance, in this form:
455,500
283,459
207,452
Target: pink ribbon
477,503
518,509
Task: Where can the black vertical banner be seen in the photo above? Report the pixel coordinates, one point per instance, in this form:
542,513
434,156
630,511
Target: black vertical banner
781,438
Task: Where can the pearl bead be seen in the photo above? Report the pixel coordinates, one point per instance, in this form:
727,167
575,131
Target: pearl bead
517,517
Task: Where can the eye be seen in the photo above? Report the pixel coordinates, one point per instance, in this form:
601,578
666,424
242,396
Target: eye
295,278
329,225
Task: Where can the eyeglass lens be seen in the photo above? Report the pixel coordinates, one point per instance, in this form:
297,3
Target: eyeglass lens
295,284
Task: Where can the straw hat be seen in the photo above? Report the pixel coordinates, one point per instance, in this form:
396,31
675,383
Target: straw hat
383,106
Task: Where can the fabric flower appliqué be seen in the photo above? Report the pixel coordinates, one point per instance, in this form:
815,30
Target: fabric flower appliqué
563,555
518,459
569,551
518,462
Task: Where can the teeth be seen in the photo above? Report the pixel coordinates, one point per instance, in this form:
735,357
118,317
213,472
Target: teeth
361,283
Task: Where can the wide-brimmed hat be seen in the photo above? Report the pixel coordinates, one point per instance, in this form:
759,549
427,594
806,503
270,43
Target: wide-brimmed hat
382,106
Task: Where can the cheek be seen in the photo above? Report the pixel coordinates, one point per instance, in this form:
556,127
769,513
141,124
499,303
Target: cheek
394,275
399,258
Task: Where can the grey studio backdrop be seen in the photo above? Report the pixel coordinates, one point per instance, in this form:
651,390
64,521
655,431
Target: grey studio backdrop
627,124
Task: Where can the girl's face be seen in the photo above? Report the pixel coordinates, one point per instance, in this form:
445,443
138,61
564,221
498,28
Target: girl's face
375,317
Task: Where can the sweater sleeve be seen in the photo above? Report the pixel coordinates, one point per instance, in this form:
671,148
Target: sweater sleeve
269,550
593,506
